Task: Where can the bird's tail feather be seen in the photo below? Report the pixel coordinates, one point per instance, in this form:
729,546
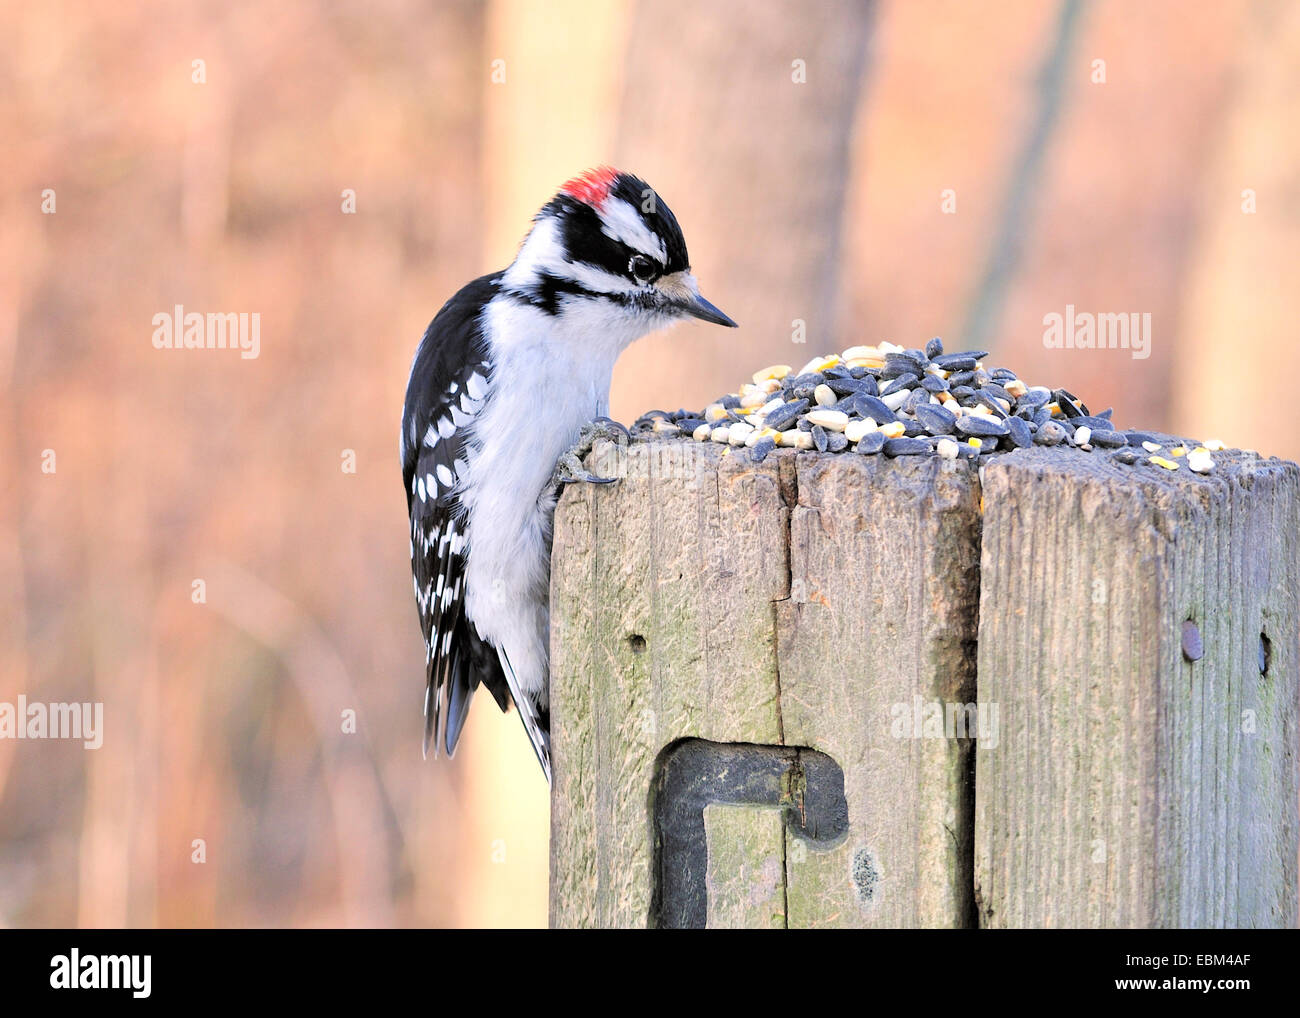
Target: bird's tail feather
536,724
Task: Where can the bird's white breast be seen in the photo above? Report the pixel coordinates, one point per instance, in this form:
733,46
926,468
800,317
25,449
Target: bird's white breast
550,376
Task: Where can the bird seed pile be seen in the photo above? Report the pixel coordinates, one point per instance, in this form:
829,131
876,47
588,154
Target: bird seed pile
903,402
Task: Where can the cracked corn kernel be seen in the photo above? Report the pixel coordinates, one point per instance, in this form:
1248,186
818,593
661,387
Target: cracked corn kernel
775,371
820,364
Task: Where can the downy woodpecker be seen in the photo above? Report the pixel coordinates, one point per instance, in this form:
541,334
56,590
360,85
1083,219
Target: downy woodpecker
603,265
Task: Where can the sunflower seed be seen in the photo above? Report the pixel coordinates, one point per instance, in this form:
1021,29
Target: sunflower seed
978,424
1049,434
872,442
759,450
935,419
784,417
907,446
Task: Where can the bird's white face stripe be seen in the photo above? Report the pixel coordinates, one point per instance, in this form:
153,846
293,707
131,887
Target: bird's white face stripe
624,223
543,253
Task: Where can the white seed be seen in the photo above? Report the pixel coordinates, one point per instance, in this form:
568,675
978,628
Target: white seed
721,434
753,399
824,396
702,433
1082,435
775,372
801,440
854,353
894,429
819,364
832,420
855,430
738,432
714,412
947,449
1199,460
1213,444
1151,446
896,399
1016,387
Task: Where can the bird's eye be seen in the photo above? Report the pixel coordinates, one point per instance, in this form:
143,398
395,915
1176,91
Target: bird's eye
641,268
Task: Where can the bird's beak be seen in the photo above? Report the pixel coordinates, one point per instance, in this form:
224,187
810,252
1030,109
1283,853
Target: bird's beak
684,295
706,311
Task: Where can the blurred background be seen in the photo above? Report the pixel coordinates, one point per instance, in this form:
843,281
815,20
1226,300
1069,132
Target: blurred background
875,171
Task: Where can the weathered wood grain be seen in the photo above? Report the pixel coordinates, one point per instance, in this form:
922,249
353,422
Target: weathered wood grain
844,604
705,597
661,629
884,559
1131,786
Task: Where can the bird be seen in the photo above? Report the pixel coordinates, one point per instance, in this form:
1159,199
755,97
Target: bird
508,389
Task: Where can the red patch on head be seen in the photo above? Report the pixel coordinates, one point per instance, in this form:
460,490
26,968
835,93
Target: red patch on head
592,187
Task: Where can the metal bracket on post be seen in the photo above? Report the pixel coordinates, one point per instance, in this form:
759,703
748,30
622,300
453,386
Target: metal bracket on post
807,786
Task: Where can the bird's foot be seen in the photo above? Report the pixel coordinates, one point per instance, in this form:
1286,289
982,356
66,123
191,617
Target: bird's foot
569,468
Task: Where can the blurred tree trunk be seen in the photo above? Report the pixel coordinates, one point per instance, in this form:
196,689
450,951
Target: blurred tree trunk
1238,311
687,126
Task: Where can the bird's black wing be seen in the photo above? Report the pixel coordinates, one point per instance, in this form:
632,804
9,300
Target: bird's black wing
448,384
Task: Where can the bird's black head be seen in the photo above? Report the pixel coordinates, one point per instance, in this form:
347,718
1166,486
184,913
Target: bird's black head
608,235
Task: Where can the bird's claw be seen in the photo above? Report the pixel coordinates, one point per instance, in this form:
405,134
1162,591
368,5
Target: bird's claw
603,427
569,468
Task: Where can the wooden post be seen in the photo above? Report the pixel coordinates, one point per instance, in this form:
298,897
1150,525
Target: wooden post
1135,784
765,679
